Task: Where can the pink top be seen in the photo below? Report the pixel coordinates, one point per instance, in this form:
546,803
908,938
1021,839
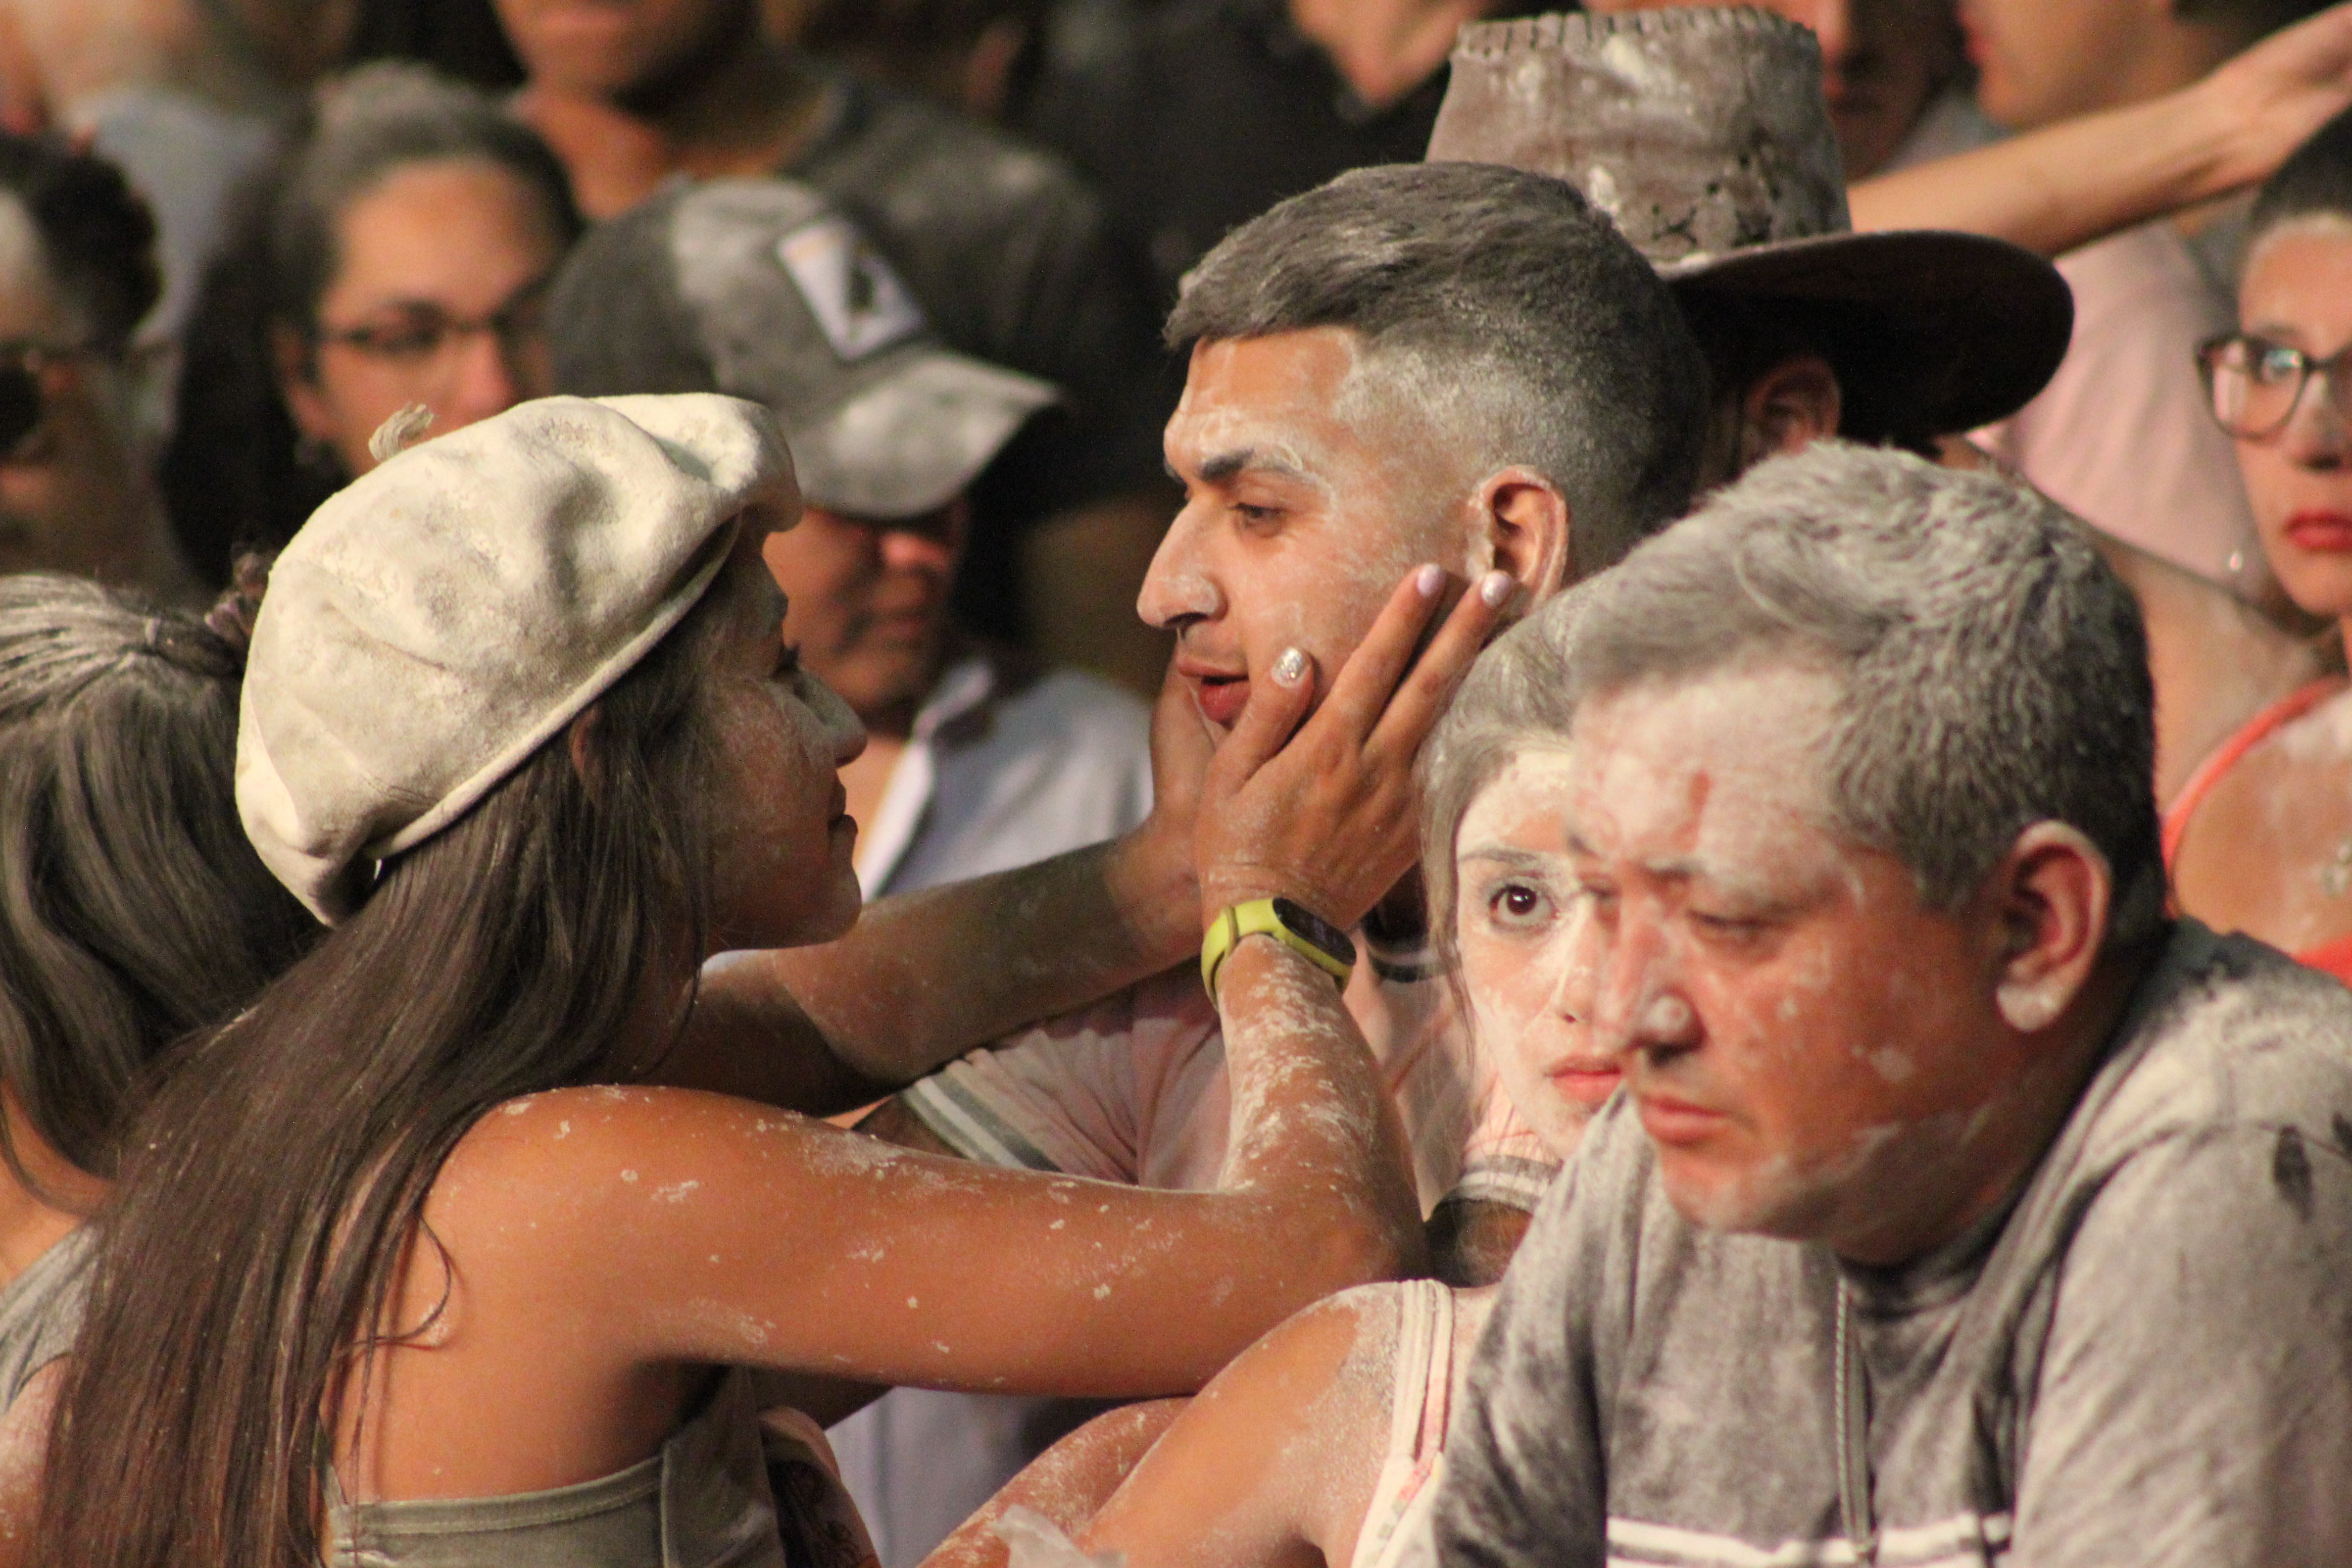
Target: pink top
2122,436
2332,957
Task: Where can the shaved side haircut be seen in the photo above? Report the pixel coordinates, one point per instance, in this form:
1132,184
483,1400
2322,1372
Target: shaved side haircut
1503,306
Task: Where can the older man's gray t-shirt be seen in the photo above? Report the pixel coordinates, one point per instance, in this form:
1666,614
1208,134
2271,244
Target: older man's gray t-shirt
2146,1360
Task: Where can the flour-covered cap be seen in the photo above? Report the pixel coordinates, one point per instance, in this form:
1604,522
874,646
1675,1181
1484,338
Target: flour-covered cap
760,288
1703,134
441,618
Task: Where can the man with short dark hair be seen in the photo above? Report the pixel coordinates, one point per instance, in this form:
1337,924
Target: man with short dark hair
1959,1207
1449,364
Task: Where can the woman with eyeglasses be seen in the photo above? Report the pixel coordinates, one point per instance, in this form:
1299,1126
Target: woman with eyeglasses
2260,839
399,253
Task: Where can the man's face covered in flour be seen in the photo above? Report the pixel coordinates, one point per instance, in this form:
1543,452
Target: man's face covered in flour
1311,487
1803,1037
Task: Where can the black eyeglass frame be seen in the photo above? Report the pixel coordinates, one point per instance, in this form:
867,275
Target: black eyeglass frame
514,324
2335,369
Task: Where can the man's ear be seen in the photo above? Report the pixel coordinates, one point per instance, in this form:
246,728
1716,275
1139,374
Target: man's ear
2051,894
1526,525
1788,409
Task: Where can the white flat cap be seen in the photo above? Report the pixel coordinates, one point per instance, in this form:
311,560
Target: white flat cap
437,621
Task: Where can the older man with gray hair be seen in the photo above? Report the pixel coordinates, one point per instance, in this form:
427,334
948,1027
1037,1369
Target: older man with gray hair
1961,1206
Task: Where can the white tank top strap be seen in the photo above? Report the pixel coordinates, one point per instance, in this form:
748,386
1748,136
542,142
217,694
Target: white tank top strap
1420,1407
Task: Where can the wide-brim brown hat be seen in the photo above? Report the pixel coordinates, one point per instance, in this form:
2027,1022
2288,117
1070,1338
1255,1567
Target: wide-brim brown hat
1703,134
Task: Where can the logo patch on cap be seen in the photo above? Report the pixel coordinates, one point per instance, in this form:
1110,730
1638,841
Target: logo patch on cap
857,299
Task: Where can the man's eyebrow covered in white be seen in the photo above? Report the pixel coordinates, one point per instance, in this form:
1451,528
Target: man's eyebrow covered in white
1222,467
1699,870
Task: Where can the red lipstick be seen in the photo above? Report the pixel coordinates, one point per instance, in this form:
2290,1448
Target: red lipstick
2321,533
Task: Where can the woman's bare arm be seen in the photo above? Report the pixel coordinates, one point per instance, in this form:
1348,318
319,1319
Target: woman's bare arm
598,1241
1068,1484
1274,1464
928,976
827,1252
2066,184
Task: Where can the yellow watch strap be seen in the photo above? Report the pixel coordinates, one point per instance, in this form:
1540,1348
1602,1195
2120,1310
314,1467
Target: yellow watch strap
1257,917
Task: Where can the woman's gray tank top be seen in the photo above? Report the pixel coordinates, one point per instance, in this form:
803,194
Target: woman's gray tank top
41,1311
703,1502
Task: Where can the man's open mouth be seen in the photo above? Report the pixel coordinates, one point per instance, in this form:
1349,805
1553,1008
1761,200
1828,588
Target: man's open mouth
1222,698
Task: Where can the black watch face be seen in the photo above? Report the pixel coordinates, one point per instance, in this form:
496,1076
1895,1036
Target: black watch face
1316,929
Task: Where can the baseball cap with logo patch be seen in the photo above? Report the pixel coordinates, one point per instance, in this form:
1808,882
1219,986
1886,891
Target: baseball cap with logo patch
760,288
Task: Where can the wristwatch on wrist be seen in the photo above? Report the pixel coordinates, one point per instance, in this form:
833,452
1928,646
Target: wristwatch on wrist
1293,925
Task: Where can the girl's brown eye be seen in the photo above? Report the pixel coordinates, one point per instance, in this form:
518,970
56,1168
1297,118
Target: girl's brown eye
1517,901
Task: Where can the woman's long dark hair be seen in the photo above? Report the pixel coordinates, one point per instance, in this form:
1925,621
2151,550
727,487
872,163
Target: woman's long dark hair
132,911
279,1178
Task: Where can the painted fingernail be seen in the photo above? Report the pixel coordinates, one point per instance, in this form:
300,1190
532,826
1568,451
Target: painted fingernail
1289,668
1495,587
1429,580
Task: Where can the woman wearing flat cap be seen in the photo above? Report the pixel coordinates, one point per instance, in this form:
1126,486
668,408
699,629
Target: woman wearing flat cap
409,1266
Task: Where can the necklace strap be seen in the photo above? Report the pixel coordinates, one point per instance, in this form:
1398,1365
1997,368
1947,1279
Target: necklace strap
1853,1439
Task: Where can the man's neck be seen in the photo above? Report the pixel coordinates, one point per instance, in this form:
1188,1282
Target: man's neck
1385,48
1983,1173
751,113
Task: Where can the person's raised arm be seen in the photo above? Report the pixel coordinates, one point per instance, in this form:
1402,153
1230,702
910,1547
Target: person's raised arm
759,1239
2063,186
926,975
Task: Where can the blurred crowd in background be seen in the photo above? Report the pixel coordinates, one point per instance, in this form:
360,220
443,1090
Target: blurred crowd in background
248,233
1042,172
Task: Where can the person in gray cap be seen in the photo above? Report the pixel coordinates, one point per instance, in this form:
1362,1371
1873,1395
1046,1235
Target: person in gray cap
519,721
1704,134
975,761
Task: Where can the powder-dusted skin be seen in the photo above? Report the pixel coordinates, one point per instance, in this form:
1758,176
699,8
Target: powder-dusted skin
1136,1089
2146,1359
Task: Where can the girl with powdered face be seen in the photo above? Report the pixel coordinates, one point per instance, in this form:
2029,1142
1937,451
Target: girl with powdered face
1325,1437
132,912
403,1265
2260,839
